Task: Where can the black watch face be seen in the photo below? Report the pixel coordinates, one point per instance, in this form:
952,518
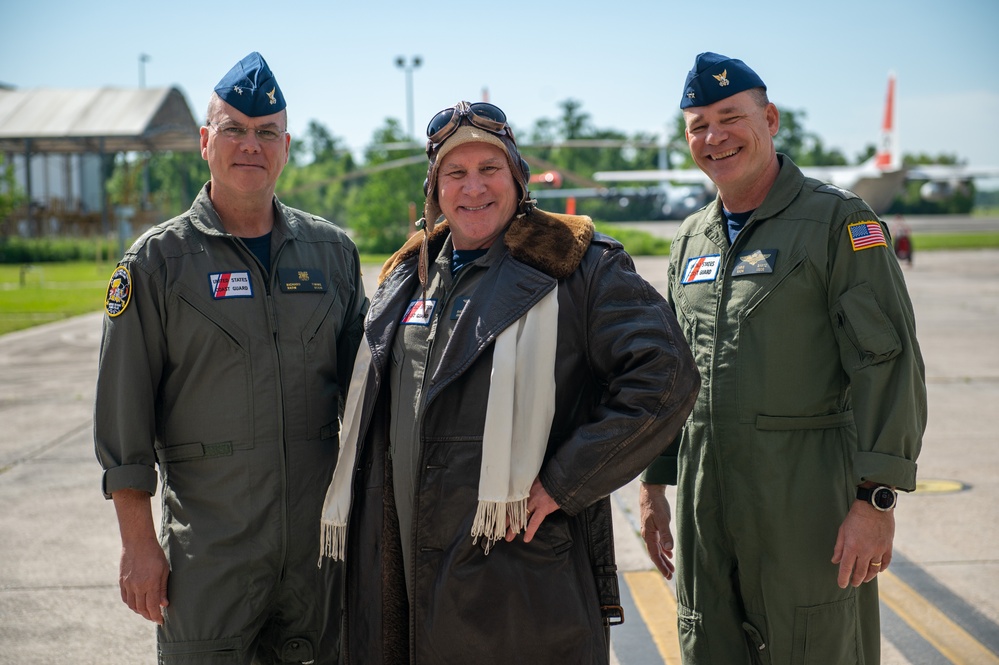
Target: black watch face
884,498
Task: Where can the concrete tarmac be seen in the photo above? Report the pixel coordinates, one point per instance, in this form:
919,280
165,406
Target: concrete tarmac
59,546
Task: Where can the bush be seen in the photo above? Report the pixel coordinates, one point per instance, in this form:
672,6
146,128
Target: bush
49,250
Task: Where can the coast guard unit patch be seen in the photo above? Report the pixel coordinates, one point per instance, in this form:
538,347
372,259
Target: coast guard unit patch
864,235
230,285
419,312
701,269
119,292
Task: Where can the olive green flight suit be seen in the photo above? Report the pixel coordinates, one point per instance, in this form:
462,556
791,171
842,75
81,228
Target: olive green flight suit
230,378
812,383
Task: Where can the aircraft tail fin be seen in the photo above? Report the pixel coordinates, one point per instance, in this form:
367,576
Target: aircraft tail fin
887,157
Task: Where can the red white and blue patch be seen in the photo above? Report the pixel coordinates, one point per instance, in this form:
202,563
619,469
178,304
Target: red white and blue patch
419,312
701,269
119,292
230,285
864,235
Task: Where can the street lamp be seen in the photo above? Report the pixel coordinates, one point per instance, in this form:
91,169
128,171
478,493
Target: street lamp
408,67
143,59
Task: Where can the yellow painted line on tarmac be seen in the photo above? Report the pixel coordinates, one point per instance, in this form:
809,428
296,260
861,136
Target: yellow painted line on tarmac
935,486
656,604
952,641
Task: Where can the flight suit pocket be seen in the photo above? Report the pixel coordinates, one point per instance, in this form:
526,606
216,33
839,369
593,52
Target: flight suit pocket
756,640
866,336
322,388
693,641
826,634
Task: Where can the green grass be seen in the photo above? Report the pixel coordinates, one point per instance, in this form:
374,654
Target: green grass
971,240
47,292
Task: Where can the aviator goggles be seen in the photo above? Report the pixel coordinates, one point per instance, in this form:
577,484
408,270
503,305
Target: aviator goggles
481,114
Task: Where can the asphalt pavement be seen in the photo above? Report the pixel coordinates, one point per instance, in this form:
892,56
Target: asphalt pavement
59,546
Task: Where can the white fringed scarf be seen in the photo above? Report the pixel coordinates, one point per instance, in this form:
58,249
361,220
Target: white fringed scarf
519,413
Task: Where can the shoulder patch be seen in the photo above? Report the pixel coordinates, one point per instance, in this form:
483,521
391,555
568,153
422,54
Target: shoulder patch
119,292
844,194
866,234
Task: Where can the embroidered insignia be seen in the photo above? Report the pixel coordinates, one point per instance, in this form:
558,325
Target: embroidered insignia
722,78
230,285
757,262
301,280
270,95
864,235
691,95
119,292
237,89
844,194
701,269
419,312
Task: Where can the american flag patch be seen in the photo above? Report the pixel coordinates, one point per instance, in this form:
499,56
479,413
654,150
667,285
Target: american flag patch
866,234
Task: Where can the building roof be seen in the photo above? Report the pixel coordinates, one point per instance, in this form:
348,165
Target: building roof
70,121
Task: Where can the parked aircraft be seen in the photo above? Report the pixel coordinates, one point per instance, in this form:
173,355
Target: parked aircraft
877,180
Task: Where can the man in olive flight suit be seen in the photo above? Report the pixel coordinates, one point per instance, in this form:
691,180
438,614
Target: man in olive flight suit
228,344
812,405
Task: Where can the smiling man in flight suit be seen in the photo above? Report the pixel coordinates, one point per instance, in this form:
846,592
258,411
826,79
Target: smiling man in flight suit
227,348
812,407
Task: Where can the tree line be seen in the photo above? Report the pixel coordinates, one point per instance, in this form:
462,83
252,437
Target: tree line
378,197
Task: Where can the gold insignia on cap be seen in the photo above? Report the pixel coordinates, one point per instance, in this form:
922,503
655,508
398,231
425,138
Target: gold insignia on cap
270,95
755,257
722,78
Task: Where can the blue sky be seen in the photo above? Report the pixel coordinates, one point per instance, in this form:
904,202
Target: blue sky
625,61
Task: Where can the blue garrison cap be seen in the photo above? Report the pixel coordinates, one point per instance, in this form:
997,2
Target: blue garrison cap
251,88
715,77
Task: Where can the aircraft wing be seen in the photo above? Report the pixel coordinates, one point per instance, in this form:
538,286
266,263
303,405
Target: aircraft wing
947,172
682,176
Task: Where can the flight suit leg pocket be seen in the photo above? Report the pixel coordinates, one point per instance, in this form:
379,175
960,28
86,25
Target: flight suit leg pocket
225,651
826,634
756,631
693,641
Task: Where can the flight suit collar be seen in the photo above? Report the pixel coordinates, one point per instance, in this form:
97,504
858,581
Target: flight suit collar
206,219
784,190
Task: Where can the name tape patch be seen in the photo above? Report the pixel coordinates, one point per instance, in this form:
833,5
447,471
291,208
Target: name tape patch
301,280
230,285
701,269
756,262
459,307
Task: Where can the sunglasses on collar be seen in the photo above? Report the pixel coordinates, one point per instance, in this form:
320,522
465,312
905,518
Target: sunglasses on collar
481,114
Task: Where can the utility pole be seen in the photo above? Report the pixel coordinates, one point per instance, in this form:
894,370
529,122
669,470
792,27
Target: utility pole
408,67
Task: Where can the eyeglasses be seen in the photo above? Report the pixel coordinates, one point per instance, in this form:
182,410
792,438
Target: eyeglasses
238,133
481,114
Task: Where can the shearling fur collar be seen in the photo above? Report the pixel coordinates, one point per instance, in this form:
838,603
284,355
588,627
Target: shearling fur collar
549,242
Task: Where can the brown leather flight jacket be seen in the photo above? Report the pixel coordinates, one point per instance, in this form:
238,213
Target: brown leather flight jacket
625,383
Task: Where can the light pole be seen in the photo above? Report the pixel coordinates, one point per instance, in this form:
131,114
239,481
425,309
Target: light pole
408,67
143,59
